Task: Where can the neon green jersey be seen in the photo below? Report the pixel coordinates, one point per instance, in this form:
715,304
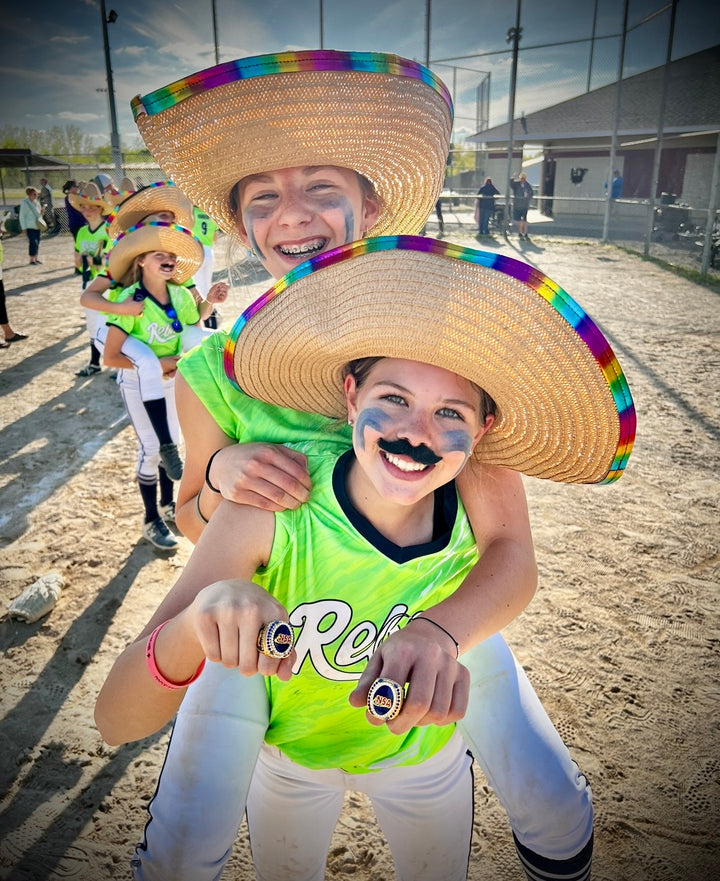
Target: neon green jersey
346,588
93,244
204,227
243,418
154,326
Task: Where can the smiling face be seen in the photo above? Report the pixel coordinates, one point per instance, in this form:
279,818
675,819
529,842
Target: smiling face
93,214
157,265
415,426
290,215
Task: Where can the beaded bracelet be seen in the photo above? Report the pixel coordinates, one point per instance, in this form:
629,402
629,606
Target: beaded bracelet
153,667
440,627
207,472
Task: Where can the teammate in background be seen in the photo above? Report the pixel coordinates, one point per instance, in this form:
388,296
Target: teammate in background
151,261
205,229
91,243
384,513
165,203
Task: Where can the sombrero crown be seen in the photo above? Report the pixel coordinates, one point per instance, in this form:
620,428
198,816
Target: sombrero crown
384,116
156,236
89,195
161,196
564,407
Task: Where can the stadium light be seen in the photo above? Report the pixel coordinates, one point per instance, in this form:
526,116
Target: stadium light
114,136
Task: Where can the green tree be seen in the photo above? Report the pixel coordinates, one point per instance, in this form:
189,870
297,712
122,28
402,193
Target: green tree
67,142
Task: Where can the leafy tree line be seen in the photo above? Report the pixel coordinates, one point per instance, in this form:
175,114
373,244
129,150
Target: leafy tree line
67,143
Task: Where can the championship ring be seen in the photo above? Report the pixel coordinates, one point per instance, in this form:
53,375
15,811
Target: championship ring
385,699
275,639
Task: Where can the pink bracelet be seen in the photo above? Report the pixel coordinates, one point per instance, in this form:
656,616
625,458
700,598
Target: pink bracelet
153,667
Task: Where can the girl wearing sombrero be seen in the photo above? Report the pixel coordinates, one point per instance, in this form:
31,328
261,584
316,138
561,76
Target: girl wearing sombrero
162,202
386,122
491,362
151,262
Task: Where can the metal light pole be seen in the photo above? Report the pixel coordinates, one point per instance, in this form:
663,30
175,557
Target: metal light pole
214,23
513,36
114,136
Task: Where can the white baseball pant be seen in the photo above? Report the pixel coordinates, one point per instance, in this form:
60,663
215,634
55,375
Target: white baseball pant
217,734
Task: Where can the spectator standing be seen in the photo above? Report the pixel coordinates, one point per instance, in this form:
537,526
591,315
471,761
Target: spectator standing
486,205
616,185
522,194
46,206
440,218
30,221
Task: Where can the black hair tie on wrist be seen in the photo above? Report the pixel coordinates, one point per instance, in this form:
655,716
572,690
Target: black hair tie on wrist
207,472
440,627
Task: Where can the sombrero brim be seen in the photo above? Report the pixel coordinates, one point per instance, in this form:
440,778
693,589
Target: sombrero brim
384,116
564,407
79,201
156,236
162,196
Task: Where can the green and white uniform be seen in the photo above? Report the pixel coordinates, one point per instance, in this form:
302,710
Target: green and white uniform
324,557
154,328
221,725
204,229
92,245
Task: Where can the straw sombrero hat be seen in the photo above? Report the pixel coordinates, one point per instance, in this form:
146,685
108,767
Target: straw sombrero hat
87,196
156,236
127,188
384,116
564,407
161,196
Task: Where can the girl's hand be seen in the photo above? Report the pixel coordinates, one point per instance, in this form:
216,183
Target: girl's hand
169,365
268,476
129,307
218,293
424,657
227,617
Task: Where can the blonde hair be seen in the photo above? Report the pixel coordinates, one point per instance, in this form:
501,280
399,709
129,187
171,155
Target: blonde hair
134,272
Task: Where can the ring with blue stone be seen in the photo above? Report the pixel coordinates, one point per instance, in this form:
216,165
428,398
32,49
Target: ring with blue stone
385,699
275,639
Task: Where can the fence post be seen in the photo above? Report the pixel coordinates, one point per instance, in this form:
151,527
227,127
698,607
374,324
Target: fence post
616,122
712,209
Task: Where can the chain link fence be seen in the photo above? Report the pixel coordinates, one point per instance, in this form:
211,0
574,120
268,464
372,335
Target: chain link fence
666,208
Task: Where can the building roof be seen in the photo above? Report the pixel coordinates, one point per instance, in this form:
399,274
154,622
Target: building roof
692,106
23,158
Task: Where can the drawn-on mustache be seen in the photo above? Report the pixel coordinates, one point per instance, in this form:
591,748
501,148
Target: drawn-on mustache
422,455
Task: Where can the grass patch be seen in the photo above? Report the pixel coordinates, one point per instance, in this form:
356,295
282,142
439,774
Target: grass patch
709,281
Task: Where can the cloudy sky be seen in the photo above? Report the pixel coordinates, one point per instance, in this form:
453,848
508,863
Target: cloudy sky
52,65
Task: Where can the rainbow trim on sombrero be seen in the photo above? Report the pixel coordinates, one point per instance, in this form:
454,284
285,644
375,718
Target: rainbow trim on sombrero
561,301
156,223
283,63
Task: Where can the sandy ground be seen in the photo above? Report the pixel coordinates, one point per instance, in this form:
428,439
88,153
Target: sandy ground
621,640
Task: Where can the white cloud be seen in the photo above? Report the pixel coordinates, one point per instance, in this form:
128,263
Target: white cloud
70,39
73,116
131,51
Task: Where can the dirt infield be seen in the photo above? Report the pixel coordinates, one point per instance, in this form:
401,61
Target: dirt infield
622,640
